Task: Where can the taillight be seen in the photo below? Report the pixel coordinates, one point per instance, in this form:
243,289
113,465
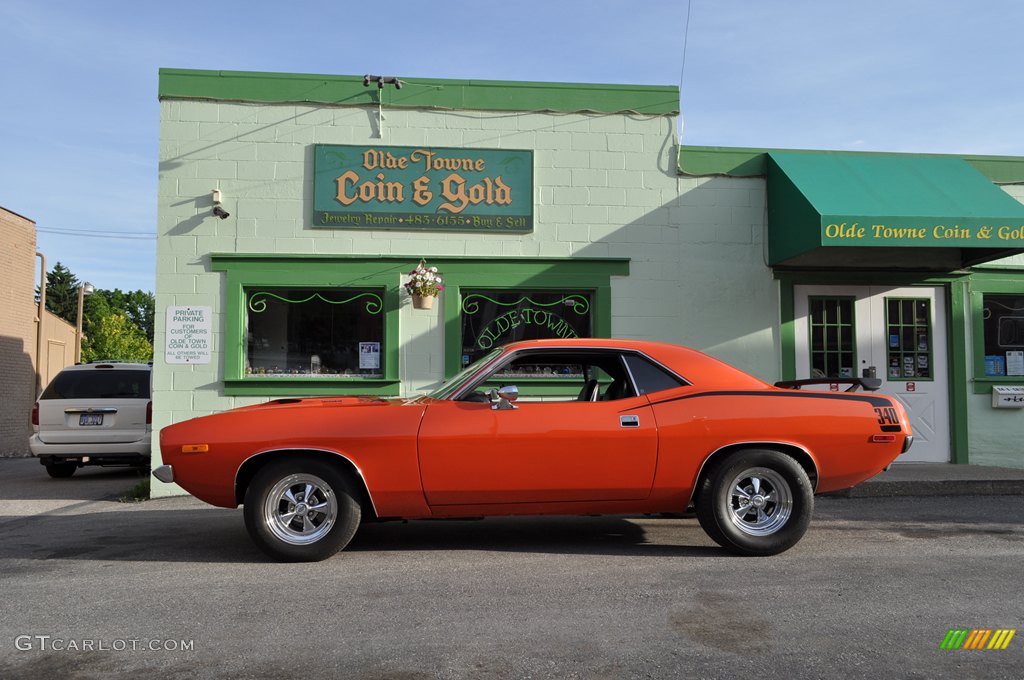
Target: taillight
149,412
35,413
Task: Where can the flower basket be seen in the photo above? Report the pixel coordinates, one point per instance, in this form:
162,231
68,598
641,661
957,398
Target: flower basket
423,301
424,284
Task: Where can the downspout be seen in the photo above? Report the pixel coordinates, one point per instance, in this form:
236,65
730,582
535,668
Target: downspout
39,323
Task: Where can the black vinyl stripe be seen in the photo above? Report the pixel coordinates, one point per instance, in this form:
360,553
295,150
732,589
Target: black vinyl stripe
796,394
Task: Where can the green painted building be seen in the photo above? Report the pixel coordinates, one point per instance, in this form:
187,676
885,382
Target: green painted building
292,209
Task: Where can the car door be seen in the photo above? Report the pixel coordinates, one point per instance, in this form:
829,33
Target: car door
540,452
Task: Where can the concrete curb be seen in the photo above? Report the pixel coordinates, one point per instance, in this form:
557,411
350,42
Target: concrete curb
979,487
940,479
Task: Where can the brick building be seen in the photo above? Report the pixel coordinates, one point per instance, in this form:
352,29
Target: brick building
18,334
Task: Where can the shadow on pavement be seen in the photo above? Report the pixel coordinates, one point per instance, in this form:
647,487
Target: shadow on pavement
218,535
27,480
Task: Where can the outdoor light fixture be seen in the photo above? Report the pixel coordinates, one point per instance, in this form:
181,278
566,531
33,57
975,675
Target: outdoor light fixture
382,81
217,210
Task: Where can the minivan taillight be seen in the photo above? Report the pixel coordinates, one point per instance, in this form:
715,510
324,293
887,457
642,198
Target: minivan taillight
149,412
35,413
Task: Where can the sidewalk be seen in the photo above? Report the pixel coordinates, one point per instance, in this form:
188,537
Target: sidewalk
940,479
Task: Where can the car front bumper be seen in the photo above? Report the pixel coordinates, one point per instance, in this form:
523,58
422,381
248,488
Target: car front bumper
165,473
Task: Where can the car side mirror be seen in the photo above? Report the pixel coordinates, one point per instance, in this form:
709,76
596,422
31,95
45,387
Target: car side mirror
503,397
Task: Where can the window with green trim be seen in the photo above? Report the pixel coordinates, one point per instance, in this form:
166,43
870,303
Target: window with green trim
325,332
833,350
909,334
1003,331
491,318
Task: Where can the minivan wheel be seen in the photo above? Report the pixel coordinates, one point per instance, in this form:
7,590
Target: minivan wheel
61,470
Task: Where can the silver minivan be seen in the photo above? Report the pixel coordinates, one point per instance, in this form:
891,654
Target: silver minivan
94,414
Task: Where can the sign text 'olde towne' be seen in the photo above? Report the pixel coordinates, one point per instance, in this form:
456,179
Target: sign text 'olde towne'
396,187
855,233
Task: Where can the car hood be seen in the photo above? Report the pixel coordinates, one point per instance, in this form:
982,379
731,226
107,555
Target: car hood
304,403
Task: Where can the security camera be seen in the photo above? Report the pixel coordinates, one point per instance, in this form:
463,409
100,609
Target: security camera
221,212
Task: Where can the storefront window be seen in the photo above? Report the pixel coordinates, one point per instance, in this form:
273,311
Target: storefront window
909,335
491,318
314,333
1003,327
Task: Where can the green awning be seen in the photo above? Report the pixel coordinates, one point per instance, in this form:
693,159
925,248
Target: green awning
886,211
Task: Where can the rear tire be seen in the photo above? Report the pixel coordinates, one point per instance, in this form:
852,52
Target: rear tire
301,509
61,470
756,502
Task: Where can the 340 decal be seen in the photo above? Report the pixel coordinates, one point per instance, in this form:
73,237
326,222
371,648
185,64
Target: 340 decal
887,415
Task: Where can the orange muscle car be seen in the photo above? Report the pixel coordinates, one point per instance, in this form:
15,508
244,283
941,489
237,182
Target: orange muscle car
579,426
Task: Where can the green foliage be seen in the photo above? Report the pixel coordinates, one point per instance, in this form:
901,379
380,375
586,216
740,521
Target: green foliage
138,493
115,337
62,293
129,337
137,305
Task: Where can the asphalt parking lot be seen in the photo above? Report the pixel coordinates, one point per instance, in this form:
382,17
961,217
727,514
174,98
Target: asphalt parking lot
92,585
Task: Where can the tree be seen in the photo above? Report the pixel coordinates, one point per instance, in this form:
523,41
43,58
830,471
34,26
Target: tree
62,293
141,306
115,337
137,305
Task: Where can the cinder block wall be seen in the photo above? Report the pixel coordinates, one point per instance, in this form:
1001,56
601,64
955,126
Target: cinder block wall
605,186
17,331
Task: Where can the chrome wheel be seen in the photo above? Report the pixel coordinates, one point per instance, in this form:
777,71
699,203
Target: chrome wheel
760,501
300,509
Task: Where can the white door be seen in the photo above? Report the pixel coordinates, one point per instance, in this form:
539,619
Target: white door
900,333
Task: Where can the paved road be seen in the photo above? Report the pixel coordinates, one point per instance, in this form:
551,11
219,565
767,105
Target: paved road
870,592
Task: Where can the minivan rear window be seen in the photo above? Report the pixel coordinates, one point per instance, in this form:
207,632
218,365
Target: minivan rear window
99,384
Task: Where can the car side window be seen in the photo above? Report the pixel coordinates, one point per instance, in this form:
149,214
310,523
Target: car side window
560,375
650,377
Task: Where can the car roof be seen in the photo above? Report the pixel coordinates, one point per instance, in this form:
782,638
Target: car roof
107,365
695,367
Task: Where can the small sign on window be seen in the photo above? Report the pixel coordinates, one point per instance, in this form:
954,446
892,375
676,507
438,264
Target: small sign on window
369,355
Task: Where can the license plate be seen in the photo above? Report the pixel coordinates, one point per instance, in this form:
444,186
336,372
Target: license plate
90,419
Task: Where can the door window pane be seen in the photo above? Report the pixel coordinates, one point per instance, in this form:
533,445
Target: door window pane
909,338
314,333
833,354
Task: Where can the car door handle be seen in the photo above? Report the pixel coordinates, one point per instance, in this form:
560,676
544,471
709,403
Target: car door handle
629,421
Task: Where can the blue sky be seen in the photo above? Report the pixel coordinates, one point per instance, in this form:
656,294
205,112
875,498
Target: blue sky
79,115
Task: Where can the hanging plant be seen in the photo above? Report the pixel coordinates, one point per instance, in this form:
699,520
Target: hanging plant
424,284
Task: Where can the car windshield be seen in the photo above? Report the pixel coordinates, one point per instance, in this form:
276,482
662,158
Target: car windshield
452,386
99,384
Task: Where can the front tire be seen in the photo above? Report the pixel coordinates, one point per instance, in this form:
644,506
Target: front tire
756,502
301,509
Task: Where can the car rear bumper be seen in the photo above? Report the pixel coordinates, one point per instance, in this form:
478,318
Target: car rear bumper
128,453
40,448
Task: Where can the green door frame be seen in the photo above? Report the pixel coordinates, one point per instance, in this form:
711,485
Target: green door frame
955,286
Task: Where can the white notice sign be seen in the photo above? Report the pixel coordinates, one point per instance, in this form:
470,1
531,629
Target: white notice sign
189,335
1015,363
369,355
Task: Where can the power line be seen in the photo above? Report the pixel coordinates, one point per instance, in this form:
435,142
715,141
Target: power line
97,233
686,36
